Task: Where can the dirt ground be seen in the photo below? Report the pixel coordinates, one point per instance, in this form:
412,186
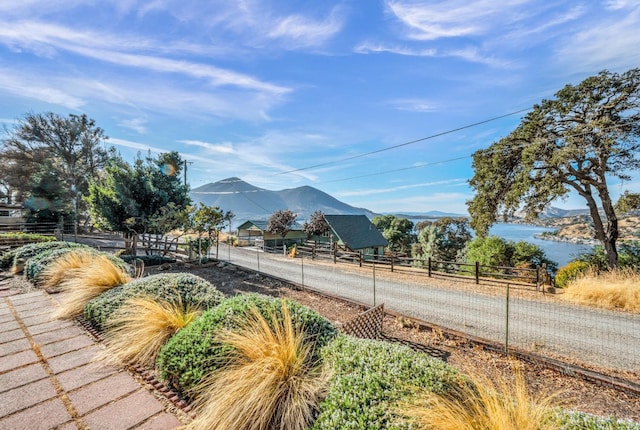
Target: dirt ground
575,392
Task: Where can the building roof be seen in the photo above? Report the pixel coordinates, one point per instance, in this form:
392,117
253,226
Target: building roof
356,231
262,225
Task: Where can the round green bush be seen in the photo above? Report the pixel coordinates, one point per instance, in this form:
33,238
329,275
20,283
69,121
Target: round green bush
191,289
27,251
370,377
571,271
192,352
36,264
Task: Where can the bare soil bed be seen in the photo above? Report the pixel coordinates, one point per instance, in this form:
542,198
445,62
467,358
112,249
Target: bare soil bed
577,393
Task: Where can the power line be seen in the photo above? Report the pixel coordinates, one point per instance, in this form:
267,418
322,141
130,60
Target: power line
475,124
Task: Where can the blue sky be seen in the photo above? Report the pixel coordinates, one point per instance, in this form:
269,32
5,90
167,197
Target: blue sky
265,90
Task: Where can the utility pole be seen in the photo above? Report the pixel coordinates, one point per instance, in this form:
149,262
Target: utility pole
185,171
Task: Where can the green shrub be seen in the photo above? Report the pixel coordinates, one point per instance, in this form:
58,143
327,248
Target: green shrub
369,379
571,271
36,264
148,260
192,290
628,256
192,353
20,237
568,420
25,252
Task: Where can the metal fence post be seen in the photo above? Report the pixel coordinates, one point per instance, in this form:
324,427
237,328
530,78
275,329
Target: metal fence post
302,268
374,284
258,257
506,331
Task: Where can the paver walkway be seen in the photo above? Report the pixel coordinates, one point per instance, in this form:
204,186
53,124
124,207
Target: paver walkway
48,379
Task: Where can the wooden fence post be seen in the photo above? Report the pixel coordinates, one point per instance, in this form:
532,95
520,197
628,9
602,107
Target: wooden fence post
429,266
477,272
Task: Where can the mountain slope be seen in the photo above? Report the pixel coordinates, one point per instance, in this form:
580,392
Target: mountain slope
250,202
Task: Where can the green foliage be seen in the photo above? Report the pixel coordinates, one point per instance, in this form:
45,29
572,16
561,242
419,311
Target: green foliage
25,237
571,271
397,231
146,197
577,141
27,251
443,239
36,264
628,256
192,353
148,260
628,202
570,420
191,289
496,251
200,245
370,377
61,154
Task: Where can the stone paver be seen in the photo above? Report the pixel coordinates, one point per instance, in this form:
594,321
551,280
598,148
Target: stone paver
44,416
48,377
22,376
126,412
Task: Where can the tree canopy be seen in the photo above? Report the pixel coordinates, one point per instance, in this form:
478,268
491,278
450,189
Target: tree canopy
316,225
280,222
147,196
398,231
628,203
72,147
576,141
442,239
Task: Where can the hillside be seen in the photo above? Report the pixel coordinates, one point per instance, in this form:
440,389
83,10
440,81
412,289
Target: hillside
247,201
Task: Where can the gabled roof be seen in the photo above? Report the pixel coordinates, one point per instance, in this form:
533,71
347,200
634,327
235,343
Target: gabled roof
356,231
262,225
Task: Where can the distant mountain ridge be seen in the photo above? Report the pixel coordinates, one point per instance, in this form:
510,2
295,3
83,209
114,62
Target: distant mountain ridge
247,201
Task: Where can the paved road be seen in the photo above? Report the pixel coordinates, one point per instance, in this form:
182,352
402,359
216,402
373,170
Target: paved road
598,337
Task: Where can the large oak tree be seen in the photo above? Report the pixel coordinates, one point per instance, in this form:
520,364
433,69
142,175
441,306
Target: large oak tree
577,141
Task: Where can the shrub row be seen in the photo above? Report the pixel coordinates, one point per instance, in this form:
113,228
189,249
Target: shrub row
23,253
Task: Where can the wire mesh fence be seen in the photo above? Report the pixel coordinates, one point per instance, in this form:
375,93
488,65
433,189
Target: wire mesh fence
511,314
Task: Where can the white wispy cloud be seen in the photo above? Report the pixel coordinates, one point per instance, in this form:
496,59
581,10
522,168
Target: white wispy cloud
214,148
43,37
135,124
373,191
302,31
30,85
414,105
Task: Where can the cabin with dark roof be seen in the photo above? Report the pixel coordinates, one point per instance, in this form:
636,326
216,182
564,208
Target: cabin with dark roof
254,232
356,233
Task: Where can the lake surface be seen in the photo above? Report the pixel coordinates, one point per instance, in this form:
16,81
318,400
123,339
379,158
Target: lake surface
560,252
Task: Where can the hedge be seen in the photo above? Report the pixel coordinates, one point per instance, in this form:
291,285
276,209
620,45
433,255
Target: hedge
192,353
190,288
25,252
370,377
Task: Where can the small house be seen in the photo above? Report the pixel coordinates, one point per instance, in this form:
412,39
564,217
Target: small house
11,216
357,234
254,232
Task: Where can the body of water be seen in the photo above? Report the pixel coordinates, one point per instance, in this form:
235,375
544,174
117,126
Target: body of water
560,252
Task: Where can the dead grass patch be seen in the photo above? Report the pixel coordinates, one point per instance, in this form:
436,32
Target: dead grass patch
618,289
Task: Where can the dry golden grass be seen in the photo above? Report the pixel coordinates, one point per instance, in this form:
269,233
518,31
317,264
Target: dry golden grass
86,282
138,329
484,403
618,289
269,382
58,270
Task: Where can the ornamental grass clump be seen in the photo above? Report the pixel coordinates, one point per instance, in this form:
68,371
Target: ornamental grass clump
87,282
190,289
193,353
137,330
485,402
270,381
616,289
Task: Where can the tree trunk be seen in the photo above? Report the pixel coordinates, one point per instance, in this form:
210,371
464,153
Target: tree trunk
611,232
